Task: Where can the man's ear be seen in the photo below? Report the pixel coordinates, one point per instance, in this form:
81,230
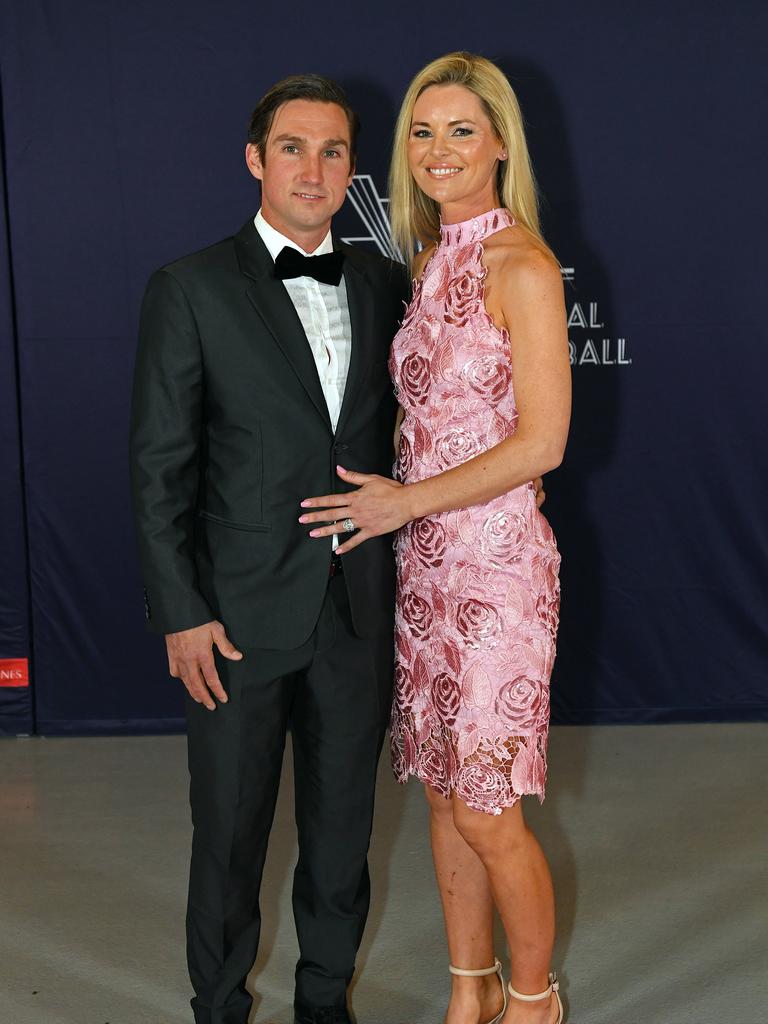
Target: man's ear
351,174
254,161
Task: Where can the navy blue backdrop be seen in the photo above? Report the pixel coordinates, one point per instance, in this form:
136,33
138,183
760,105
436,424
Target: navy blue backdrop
123,127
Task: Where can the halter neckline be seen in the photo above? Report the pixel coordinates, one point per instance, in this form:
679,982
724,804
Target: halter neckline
476,228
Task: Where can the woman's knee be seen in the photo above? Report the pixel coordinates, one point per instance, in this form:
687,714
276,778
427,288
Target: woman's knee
487,833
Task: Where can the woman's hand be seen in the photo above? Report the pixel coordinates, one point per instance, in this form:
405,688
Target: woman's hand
377,506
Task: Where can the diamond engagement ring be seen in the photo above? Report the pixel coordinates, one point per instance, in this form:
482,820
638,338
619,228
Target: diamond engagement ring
348,525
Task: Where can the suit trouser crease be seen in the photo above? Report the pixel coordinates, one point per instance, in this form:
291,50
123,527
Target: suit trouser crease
333,693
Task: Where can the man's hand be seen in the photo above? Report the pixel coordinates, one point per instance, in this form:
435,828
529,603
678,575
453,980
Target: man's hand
190,658
541,494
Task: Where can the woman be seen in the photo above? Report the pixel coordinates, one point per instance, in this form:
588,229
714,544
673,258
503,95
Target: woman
482,374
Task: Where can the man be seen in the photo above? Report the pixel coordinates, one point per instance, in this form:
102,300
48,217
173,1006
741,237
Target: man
253,380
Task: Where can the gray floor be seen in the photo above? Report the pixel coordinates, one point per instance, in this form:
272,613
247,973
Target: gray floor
656,836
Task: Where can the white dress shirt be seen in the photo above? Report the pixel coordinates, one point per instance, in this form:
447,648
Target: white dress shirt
324,313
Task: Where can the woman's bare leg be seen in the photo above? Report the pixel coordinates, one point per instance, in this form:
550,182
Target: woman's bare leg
467,902
521,886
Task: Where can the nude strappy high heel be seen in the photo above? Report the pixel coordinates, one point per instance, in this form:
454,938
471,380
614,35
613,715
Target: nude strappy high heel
496,969
554,986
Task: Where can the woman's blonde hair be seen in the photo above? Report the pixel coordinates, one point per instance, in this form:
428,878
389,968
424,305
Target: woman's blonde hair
416,217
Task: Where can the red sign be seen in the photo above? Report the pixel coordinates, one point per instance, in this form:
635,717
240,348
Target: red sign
14,672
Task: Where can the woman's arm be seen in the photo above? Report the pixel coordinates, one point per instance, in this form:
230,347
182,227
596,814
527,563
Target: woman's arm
529,292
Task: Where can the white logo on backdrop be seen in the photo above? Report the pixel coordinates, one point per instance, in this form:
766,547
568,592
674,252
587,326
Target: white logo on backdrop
373,211
597,350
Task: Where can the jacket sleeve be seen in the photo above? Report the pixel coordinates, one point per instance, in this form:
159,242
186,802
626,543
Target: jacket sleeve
165,450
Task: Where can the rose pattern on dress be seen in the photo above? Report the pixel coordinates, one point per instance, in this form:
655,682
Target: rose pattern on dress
427,335
432,767
427,537
455,446
489,376
520,702
477,622
446,697
480,782
404,464
465,297
417,614
415,379
404,688
478,591
504,536
548,611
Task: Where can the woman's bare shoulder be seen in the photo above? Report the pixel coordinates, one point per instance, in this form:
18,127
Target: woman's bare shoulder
521,259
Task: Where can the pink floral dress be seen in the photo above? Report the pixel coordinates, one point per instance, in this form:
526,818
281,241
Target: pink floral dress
478,590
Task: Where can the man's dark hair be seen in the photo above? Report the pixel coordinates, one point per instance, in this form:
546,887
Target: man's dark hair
300,87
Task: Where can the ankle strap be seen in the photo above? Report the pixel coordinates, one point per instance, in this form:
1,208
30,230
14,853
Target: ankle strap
475,974
554,986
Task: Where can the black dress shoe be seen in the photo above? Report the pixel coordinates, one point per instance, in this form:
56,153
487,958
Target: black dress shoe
321,1015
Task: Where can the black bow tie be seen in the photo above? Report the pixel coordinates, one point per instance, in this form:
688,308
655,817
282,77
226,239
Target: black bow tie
291,263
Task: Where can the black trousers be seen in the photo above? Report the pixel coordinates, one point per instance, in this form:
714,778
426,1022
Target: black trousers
334,694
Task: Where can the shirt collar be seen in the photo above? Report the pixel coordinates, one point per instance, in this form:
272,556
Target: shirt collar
275,242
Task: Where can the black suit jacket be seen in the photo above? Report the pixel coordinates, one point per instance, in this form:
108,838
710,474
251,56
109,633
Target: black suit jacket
230,430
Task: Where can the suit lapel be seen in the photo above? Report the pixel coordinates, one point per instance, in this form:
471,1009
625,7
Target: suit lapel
360,299
273,304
